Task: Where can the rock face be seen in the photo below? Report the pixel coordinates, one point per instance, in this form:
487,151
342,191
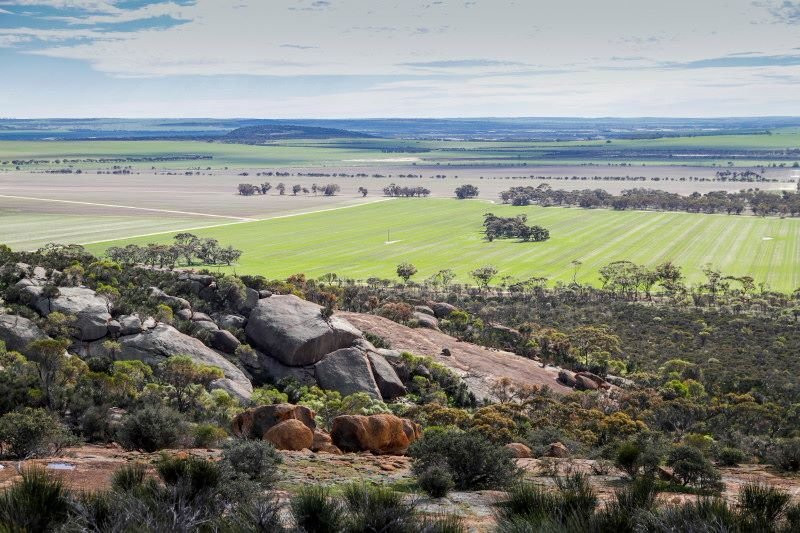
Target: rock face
231,321
382,434
155,345
17,332
90,310
519,450
237,390
172,301
290,434
424,309
254,423
585,383
293,331
270,370
347,371
386,378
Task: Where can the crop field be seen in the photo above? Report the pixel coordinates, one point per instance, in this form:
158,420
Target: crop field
779,147
433,234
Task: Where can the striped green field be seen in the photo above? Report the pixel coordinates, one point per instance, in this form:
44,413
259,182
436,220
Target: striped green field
444,233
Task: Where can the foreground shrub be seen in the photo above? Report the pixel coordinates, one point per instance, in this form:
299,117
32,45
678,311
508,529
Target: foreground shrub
529,507
473,461
373,508
637,458
315,510
703,515
151,428
36,503
762,505
129,477
255,460
31,432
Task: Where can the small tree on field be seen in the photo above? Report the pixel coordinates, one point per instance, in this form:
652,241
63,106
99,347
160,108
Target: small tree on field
466,191
363,191
405,271
281,189
484,275
296,189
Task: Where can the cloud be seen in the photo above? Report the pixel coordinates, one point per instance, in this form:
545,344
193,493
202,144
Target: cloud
116,16
787,12
739,61
100,6
462,63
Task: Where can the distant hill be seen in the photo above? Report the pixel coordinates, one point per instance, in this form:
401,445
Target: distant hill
272,132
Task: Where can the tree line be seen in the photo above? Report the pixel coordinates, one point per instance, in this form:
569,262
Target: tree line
760,203
188,249
249,189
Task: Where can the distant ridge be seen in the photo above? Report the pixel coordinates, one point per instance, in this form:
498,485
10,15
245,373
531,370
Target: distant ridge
272,132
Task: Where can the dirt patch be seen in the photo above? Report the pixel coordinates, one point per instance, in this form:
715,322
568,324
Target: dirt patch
479,366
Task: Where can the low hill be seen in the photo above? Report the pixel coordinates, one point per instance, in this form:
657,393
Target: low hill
271,132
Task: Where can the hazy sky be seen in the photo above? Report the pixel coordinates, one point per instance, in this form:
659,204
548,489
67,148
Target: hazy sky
374,58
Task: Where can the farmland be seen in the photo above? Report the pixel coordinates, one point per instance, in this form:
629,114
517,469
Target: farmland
443,233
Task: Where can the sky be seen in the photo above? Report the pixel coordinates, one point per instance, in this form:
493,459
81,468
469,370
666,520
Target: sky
398,58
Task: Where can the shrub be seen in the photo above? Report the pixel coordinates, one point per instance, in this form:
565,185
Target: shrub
30,432
208,435
36,503
256,460
373,508
192,475
150,428
315,510
129,477
528,507
436,480
785,454
637,458
731,456
691,467
474,462
703,515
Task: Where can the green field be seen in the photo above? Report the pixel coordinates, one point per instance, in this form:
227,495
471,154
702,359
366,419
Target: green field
445,233
758,149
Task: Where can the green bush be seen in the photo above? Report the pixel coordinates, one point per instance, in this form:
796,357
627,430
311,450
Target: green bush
528,507
731,456
151,428
637,458
436,480
474,462
36,503
29,432
195,476
691,467
208,435
703,515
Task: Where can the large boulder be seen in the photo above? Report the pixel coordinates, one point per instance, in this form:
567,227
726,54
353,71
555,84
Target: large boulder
382,434
155,345
389,384
231,321
290,435
347,371
519,450
294,331
248,303
425,321
90,309
224,341
254,423
17,332
442,309
557,450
